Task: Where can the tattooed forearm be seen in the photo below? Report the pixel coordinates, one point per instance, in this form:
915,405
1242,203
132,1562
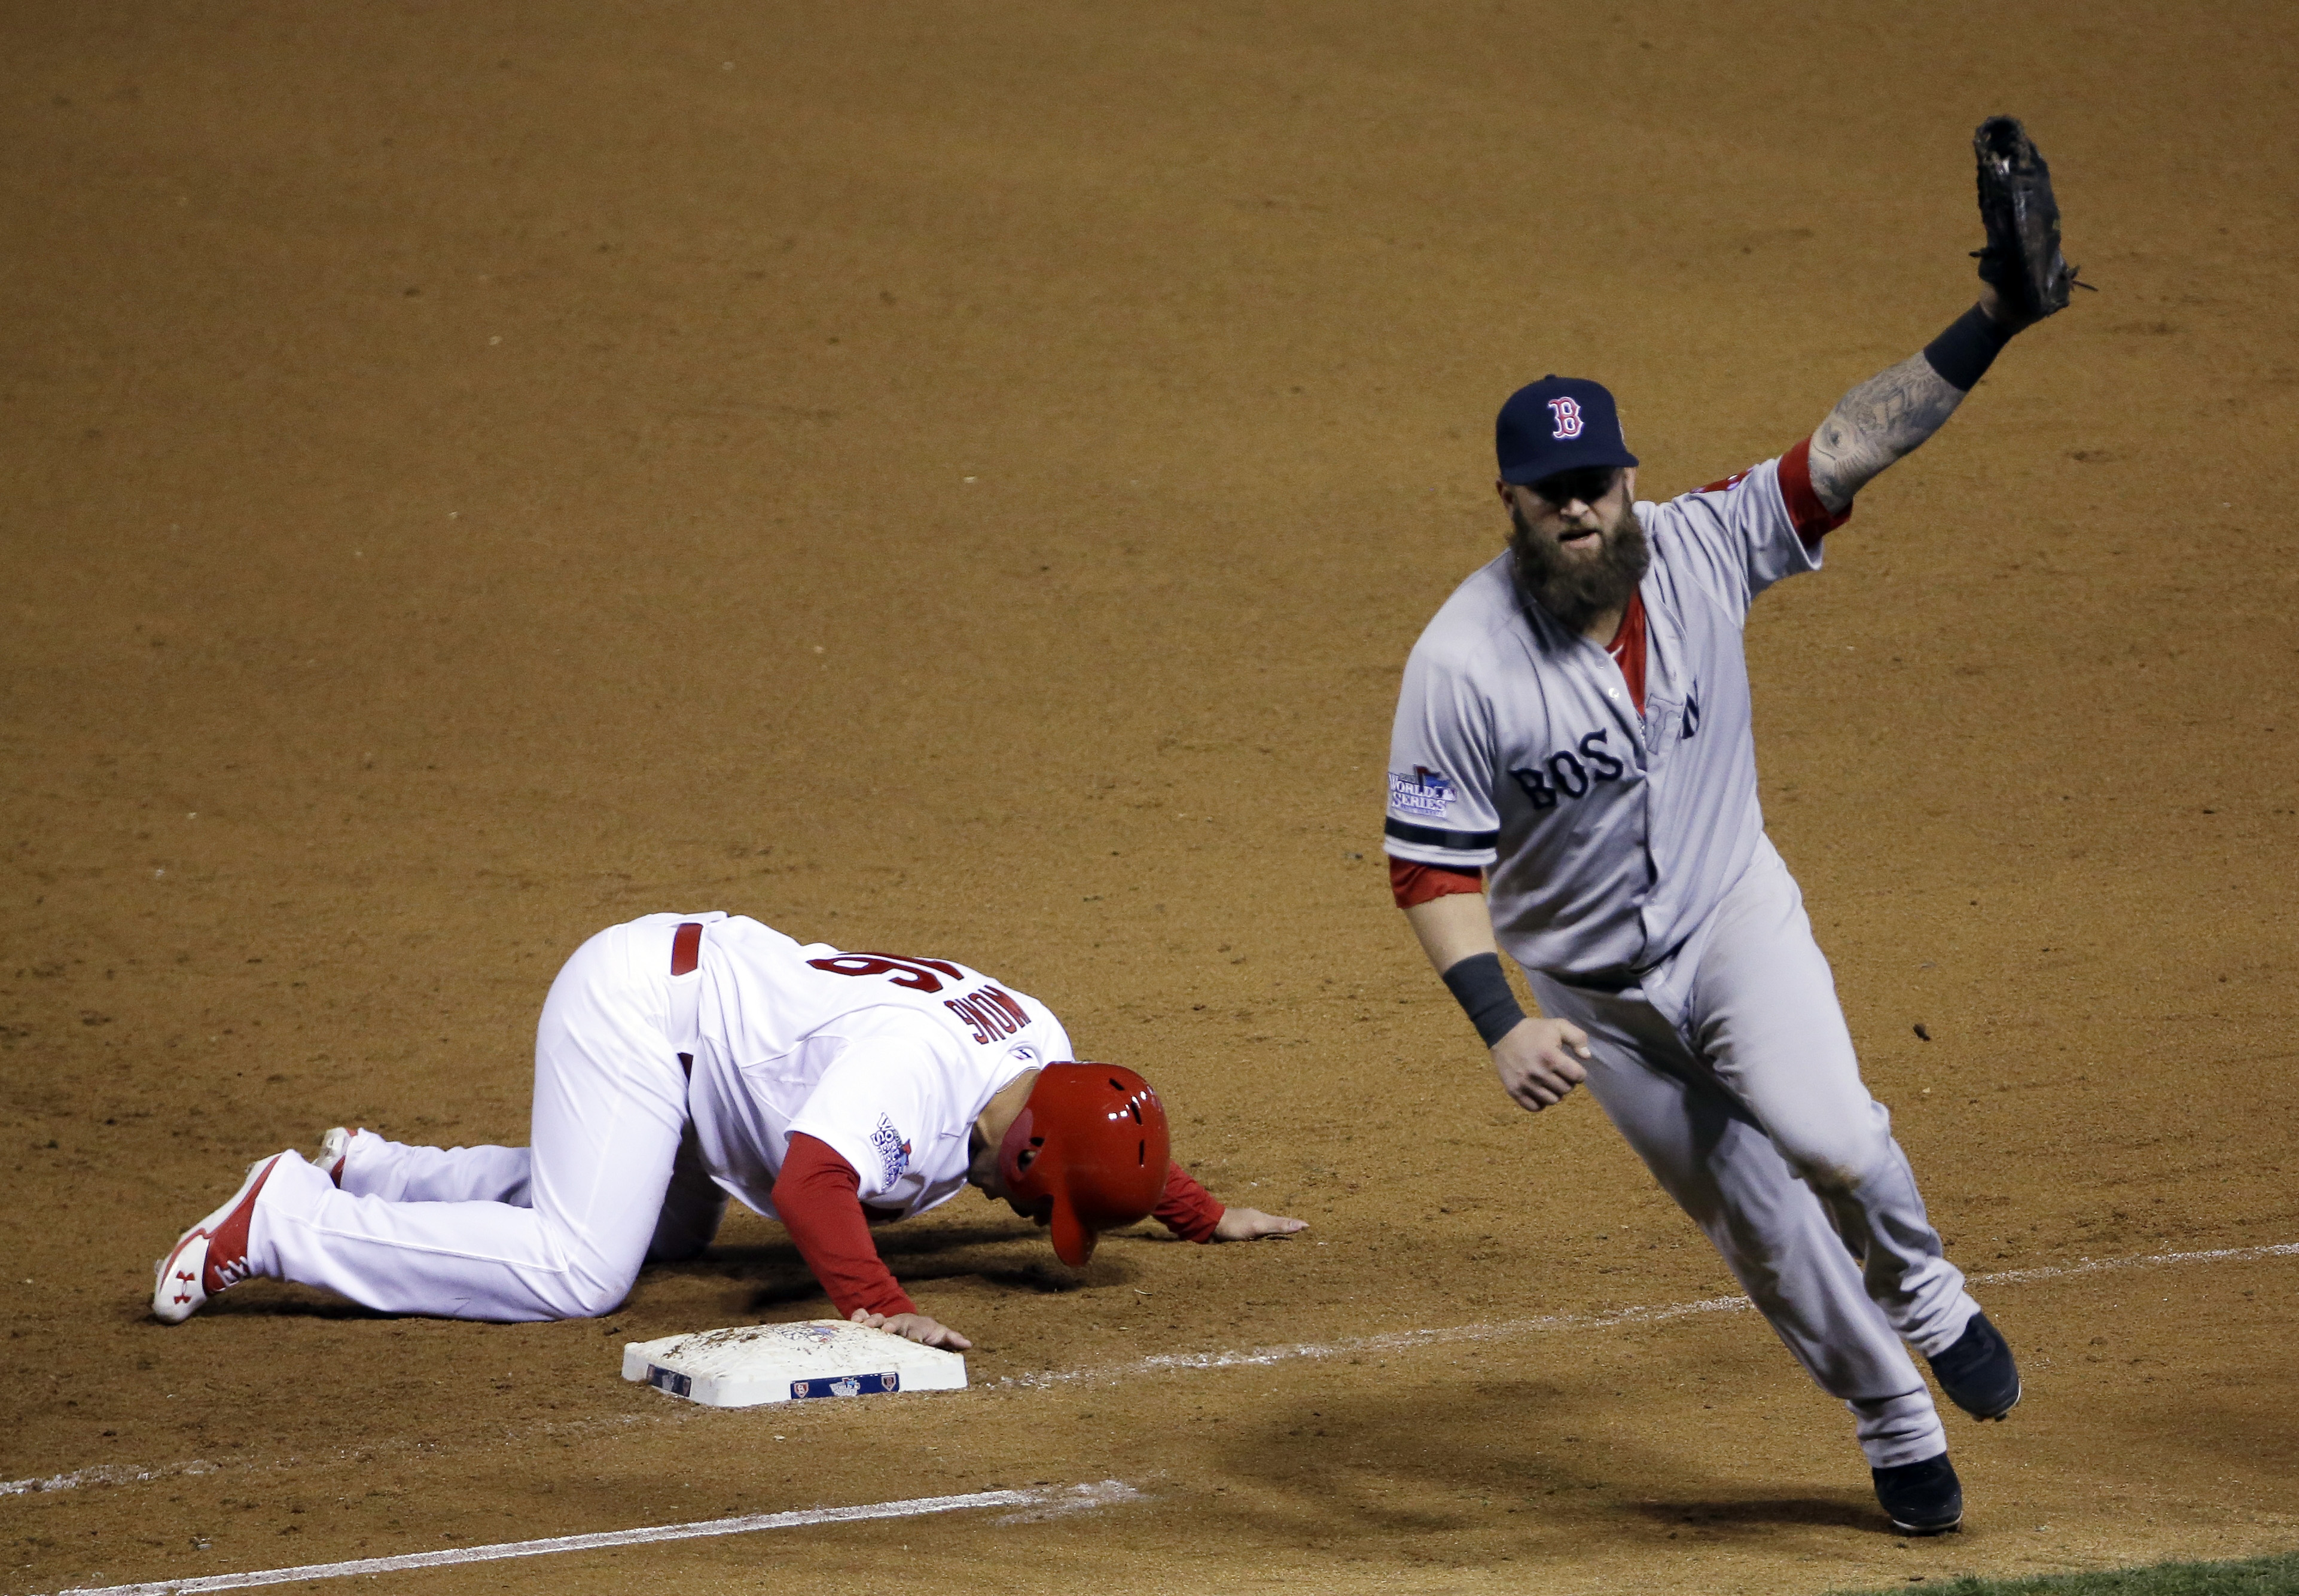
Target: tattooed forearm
1877,423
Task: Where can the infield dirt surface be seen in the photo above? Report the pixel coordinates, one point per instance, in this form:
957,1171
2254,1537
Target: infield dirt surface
964,480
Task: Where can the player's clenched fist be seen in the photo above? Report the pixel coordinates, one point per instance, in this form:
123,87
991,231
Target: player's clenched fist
1539,1061
914,1327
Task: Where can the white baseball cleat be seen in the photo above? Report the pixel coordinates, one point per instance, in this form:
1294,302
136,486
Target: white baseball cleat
333,1148
211,1255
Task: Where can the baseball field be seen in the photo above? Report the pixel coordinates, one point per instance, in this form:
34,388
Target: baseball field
964,479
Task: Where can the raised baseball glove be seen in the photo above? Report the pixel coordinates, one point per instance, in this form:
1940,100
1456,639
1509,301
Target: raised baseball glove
2022,260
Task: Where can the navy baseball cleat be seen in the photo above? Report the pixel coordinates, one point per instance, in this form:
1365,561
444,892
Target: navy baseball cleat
1977,1373
1923,1499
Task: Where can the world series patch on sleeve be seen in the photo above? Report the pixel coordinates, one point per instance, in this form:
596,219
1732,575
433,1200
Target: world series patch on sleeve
747,1365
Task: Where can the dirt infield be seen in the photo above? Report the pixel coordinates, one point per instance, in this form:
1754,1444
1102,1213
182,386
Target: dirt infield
964,479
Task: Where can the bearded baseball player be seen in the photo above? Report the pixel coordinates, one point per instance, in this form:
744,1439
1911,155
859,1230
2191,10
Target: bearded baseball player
683,1059
1573,775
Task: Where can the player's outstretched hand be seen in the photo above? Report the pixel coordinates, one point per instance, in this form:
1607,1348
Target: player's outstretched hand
915,1327
1251,1224
1539,1061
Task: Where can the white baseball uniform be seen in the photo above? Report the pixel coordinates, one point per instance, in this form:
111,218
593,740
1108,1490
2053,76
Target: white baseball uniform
888,1061
1630,874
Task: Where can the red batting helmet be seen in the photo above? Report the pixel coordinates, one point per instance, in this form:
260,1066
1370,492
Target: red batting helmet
1086,1153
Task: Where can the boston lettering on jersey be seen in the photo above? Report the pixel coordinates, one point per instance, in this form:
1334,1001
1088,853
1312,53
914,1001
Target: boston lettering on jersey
1562,775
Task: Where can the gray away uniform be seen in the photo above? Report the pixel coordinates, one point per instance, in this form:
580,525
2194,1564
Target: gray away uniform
1631,876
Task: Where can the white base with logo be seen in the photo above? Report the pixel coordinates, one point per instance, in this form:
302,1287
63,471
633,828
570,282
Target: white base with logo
746,1365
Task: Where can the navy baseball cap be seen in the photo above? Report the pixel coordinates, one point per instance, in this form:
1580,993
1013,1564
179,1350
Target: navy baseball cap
1558,423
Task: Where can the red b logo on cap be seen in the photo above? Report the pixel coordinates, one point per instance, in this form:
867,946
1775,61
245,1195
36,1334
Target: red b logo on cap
1567,412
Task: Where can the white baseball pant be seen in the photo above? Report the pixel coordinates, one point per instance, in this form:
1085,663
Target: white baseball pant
557,1229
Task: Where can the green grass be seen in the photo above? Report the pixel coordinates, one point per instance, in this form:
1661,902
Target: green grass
2253,1576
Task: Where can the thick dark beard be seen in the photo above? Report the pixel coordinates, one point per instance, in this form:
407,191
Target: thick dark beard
1578,593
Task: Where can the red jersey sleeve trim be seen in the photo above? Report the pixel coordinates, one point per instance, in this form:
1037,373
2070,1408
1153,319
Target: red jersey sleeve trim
816,1195
1813,520
1187,1208
1410,883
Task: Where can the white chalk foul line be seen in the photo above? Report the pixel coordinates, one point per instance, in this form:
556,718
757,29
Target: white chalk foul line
2092,1266
1397,1341
1404,1340
1045,1498
102,1474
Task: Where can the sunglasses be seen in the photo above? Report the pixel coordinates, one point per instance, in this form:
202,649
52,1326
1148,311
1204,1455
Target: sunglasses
1587,483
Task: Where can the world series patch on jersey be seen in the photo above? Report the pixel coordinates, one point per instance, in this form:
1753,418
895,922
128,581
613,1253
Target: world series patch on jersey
1422,795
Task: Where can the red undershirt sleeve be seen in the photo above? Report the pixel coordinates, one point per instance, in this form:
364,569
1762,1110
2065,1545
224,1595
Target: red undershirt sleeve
1410,883
816,1195
1813,520
1187,1208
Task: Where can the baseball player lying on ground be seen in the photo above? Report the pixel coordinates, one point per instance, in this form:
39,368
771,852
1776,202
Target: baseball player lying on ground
680,1059
1573,739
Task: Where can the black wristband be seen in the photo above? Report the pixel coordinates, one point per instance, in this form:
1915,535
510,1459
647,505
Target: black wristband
1963,353
1482,991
